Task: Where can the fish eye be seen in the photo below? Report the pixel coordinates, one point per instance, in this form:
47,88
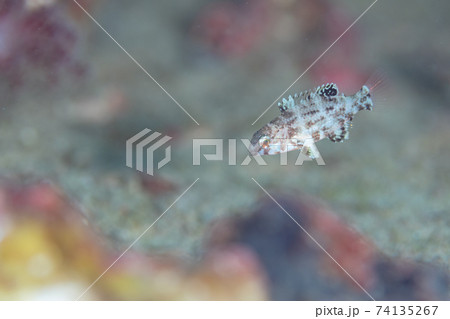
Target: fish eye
264,141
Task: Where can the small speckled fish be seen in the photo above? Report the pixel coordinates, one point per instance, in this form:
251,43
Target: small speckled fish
311,115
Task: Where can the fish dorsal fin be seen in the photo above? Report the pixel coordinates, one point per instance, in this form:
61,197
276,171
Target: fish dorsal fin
288,103
328,90
294,100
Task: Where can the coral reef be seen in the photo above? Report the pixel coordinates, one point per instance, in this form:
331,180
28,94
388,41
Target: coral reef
298,269
49,250
56,239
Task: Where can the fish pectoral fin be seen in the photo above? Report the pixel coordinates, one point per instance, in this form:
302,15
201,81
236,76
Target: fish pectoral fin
340,134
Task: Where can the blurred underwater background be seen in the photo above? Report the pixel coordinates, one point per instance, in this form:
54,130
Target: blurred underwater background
373,222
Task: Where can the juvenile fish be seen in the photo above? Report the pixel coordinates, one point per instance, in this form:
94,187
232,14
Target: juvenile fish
310,116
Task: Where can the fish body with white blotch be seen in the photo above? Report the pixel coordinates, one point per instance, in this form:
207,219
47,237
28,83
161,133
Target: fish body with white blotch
311,115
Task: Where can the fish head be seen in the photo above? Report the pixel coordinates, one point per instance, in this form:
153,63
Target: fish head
261,142
275,138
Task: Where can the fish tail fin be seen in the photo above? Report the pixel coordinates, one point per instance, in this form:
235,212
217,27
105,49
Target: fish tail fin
379,87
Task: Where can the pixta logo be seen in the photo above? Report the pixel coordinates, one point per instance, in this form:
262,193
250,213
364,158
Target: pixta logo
144,141
140,151
308,151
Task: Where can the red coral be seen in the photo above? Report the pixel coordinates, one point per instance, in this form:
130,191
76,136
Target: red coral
231,28
36,40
